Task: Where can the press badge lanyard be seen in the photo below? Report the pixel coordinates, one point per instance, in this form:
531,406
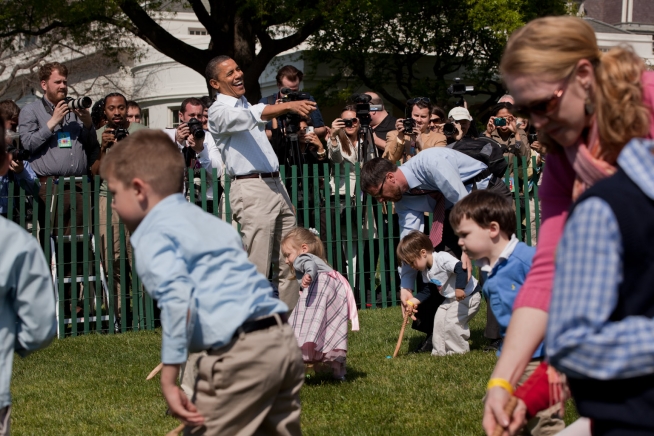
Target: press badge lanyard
63,138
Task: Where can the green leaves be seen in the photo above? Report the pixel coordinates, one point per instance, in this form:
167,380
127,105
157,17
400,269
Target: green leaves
412,47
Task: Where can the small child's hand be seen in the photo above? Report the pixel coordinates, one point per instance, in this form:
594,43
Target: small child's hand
459,294
306,281
412,307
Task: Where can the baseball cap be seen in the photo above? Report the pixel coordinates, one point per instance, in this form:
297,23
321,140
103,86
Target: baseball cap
460,113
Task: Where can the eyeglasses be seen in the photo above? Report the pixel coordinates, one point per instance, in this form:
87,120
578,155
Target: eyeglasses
381,188
436,120
418,99
543,107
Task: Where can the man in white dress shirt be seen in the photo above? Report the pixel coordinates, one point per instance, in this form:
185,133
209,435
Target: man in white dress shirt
258,198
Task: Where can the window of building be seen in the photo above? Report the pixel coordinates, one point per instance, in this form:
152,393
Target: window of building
173,116
145,117
198,31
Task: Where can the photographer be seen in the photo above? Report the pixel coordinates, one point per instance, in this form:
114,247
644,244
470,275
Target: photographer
20,171
190,134
117,128
133,112
412,135
58,138
436,119
502,127
381,122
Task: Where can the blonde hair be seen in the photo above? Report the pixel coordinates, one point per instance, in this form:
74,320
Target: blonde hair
409,247
300,235
552,47
149,155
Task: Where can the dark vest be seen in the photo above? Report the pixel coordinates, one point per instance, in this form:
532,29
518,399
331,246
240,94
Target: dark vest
634,212
624,406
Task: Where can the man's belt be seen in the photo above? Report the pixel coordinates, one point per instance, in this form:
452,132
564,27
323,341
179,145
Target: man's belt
260,324
258,176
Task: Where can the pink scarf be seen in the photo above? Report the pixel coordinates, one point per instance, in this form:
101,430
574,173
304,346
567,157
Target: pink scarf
589,168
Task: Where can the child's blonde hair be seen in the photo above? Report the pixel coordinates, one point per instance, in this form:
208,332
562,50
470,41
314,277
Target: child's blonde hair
300,235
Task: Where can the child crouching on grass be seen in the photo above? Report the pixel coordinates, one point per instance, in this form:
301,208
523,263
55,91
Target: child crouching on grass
326,302
211,299
484,222
462,297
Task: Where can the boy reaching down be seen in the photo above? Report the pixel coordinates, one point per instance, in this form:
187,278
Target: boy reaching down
211,299
484,222
451,329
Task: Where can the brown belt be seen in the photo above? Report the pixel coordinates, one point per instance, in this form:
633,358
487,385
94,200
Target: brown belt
258,176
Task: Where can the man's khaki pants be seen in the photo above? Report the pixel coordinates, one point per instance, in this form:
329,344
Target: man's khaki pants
265,212
251,386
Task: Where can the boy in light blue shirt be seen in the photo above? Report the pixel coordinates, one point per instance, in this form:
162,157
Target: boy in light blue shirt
484,222
211,299
27,302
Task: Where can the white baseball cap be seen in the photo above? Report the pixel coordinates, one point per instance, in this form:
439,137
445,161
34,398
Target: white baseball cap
460,113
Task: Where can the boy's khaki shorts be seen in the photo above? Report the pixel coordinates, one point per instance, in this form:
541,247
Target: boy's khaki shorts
251,386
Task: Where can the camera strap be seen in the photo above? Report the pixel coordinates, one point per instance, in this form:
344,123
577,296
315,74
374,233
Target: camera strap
47,107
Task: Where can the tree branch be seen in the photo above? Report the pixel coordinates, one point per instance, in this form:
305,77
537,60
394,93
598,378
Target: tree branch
151,32
23,66
205,19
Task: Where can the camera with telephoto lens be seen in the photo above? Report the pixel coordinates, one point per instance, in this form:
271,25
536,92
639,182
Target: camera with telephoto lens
408,124
362,102
292,120
499,122
532,137
195,127
120,134
17,153
78,103
449,128
458,88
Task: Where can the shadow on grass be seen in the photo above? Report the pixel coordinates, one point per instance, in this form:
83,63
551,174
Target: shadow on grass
325,378
478,340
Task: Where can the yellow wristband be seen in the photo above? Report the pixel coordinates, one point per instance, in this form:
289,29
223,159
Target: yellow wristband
500,382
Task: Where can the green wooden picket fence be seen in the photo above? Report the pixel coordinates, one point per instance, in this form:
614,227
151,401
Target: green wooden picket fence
359,233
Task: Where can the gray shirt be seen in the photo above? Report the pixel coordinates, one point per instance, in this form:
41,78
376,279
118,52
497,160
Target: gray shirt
50,156
311,264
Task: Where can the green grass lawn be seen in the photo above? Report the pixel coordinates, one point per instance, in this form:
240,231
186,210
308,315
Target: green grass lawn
95,385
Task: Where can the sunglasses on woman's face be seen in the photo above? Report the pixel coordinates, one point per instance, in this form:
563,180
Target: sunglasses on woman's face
545,107
436,120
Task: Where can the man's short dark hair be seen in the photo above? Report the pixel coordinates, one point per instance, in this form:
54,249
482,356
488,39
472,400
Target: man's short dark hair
132,103
9,109
3,146
422,105
484,207
46,70
206,101
193,101
114,94
210,71
374,172
290,72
